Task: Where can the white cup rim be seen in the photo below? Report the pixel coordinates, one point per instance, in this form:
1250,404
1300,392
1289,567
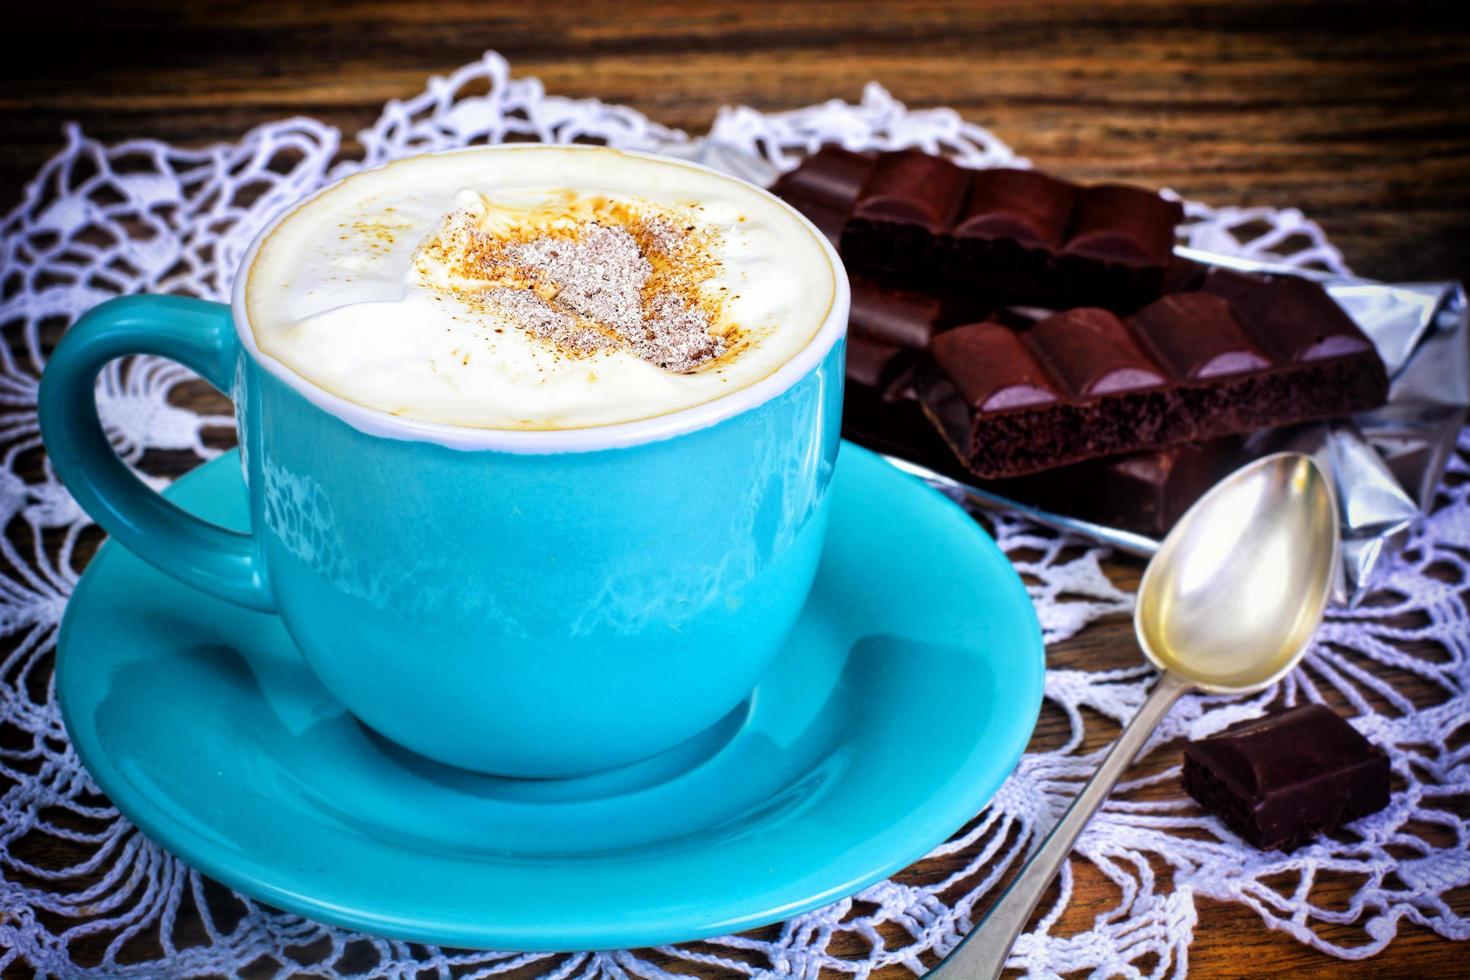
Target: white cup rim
540,441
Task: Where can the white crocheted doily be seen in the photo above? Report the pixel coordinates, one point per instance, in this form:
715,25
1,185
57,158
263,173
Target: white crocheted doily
148,217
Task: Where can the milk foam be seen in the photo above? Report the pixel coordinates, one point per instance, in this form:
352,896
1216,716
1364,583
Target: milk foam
346,293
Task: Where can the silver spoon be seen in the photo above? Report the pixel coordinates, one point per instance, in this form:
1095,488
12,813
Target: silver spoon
1227,605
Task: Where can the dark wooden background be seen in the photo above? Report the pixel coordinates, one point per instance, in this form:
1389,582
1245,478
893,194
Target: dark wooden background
1357,113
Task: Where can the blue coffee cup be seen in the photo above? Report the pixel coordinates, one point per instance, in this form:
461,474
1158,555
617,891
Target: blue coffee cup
525,603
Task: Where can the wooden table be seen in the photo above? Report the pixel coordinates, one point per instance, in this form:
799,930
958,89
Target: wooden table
1358,114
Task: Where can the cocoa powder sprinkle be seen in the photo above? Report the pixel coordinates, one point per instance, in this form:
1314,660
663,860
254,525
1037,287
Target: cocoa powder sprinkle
599,275
625,282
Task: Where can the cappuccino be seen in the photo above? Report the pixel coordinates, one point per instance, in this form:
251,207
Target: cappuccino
538,287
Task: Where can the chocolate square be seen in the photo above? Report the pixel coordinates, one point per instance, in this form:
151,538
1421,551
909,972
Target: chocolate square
1278,781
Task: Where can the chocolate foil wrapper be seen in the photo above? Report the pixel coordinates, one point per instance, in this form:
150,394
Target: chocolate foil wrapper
1385,465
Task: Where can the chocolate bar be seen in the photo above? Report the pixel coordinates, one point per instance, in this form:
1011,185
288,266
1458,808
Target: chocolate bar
824,187
1242,352
1145,492
896,317
1020,235
888,330
892,425
1142,492
908,319
1280,780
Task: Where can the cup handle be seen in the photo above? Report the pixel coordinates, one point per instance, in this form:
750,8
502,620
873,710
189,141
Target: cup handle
199,335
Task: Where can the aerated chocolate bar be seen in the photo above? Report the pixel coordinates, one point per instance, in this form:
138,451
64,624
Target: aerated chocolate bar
1242,352
888,331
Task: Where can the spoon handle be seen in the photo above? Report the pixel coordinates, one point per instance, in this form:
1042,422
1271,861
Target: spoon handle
982,954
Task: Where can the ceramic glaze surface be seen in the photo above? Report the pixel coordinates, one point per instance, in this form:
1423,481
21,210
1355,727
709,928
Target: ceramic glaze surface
521,611
541,614
901,700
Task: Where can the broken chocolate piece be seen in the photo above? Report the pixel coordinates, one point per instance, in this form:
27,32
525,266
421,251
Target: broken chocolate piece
1022,236
1280,780
1243,353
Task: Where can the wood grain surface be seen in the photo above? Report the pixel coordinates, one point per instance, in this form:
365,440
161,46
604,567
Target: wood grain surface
1357,113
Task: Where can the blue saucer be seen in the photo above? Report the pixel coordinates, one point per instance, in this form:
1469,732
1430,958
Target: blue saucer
902,700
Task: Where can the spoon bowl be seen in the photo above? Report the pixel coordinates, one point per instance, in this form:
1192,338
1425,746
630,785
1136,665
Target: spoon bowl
1237,589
